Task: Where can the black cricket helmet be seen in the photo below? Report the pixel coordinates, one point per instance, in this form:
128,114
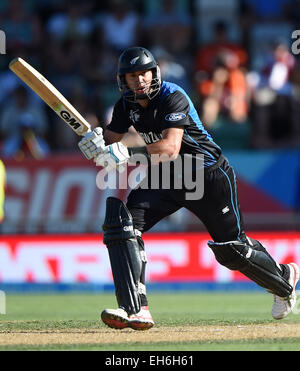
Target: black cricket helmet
138,59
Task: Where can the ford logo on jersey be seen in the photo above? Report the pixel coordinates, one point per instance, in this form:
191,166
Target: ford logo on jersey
176,116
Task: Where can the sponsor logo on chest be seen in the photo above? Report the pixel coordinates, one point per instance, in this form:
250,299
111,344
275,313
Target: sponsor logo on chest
175,116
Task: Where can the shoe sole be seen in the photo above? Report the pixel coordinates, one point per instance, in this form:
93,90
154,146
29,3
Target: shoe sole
140,326
114,321
117,322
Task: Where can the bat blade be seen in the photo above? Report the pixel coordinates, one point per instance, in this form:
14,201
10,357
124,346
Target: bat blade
50,95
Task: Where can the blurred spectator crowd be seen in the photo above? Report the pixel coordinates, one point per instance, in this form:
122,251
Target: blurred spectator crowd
233,57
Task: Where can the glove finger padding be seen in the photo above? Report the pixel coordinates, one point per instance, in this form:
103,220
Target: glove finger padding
113,156
92,143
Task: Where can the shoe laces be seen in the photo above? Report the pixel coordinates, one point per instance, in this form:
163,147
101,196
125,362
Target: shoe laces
283,301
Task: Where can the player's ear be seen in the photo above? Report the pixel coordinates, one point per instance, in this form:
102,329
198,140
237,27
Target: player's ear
121,82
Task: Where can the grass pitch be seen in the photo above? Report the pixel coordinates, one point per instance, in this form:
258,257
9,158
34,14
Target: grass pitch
183,322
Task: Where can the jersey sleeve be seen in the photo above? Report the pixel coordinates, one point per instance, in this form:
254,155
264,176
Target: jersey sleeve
120,122
176,110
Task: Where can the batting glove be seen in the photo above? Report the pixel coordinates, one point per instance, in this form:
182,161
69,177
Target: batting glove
113,156
92,143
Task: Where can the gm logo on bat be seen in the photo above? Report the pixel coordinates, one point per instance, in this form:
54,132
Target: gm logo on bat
66,116
2,42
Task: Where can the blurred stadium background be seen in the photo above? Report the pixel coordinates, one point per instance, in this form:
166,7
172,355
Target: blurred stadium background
234,58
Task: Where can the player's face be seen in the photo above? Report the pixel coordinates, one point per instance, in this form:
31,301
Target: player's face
139,81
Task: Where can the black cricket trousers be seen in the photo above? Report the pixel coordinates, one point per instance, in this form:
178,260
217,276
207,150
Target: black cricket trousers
218,209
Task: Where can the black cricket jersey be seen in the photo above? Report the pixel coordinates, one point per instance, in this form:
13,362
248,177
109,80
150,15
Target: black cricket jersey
171,108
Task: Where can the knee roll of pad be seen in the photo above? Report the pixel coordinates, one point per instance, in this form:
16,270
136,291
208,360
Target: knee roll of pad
254,263
120,238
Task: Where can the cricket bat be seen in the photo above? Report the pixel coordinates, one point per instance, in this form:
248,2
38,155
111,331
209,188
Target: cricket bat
50,95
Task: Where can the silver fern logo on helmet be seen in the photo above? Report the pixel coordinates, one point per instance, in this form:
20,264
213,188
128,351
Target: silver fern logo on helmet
134,60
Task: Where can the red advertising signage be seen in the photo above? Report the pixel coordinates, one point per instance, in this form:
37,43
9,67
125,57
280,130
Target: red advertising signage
63,194
84,258
58,194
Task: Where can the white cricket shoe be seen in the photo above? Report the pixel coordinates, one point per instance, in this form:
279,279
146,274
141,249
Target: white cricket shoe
119,319
115,318
283,306
141,320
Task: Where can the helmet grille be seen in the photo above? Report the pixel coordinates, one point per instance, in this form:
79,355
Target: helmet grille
138,59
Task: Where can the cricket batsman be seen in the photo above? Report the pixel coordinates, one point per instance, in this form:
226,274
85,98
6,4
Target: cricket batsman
164,115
